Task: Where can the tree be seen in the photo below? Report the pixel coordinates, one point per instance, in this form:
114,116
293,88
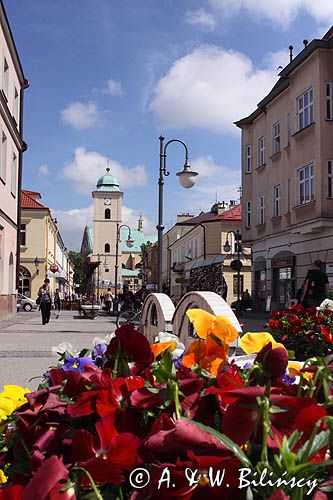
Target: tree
78,261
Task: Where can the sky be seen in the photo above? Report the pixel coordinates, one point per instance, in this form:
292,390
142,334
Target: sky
108,77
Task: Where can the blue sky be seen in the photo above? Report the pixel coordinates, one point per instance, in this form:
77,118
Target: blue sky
107,77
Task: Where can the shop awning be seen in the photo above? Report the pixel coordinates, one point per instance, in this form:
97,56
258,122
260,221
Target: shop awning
211,261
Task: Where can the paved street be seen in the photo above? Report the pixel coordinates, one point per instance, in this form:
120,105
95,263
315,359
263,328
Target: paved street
25,345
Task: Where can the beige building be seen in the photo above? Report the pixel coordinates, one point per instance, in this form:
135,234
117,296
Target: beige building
12,146
194,258
42,248
287,175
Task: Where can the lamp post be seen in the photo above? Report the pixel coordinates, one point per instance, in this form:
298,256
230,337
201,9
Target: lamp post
186,179
238,249
129,244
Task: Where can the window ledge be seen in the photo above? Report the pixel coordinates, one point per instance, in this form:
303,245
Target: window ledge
248,173
261,167
287,148
261,225
276,218
275,156
328,119
309,203
303,130
329,197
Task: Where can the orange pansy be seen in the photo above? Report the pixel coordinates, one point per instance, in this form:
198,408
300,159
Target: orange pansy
160,347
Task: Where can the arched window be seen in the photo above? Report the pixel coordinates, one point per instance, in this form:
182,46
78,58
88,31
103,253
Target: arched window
107,213
153,316
107,248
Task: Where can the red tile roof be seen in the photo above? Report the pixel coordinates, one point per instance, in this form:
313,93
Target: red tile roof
27,202
233,214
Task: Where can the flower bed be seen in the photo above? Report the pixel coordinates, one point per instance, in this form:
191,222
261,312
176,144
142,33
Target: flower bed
305,331
127,420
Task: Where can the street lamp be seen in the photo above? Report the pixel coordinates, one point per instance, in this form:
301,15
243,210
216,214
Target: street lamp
129,244
238,249
186,179
37,262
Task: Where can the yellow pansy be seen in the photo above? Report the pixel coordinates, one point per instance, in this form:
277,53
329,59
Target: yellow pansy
254,342
11,398
3,478
206,324
294,369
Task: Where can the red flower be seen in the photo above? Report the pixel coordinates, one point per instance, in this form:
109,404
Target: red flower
275,361
107,456
47,478
326,332
110,396
275,324
133,345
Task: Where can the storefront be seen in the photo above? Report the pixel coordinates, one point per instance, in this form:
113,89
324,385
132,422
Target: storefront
260,287
283,279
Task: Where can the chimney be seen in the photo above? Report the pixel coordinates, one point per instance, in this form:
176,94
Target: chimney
232,203
140,223
183,217
219,207
290,53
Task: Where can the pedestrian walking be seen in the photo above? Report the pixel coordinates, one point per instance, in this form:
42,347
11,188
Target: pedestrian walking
44,294
315,289
108,300
57,302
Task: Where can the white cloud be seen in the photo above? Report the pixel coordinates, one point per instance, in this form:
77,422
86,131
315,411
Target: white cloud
214,181
201,18
115,88
43,170
72,223
282,12
82,116
87,166
210,88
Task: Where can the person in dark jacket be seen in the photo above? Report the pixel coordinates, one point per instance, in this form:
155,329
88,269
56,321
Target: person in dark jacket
315,289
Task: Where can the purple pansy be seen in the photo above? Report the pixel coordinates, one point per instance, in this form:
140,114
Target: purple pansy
98,354
76,364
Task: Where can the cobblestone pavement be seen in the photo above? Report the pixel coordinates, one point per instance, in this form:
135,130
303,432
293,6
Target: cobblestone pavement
25,344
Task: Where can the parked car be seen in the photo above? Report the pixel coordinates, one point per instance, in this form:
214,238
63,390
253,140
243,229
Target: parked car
25,303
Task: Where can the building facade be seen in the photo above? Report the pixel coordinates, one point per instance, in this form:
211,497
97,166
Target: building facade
99,243
194,257
287,176
12,146
41,248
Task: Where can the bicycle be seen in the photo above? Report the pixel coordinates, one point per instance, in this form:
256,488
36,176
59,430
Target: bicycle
129,316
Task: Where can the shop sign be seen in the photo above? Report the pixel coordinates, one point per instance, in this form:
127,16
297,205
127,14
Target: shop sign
286,262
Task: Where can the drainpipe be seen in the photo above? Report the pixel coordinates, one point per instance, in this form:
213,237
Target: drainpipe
204,228
19,185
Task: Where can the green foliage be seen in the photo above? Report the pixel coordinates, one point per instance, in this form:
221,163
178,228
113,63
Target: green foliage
78,261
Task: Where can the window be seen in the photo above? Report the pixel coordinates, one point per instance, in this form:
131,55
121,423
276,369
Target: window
288,129
306,184
235,284
248,214
330,178
261,218
107,248
107,213
276,138
14,174
3,157
248,160
5,77
261,155
23,235
305,109
16,105
277,201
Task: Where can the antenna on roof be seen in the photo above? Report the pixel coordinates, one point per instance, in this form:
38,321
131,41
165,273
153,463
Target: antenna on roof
108,168
239,190
305,43
291,52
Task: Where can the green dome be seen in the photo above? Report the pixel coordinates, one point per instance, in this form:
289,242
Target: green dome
107,182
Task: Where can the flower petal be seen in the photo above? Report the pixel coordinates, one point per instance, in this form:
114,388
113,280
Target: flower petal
254,342
202,321
160,347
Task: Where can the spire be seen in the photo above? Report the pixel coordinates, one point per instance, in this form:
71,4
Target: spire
140,223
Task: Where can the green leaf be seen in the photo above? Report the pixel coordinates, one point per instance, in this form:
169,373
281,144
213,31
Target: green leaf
313,445
236,450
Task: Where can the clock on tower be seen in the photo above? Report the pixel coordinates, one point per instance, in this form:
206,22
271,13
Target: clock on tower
107,201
